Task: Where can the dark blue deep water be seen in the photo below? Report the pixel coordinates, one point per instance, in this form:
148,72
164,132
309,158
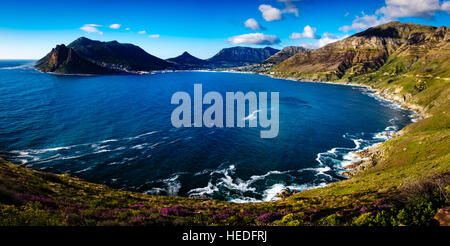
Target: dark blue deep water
117,130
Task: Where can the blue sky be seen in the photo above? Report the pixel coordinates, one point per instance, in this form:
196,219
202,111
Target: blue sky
29,29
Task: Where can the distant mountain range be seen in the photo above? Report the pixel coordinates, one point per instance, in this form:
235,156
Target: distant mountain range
392,48
241,56
360,53
188,61
85,56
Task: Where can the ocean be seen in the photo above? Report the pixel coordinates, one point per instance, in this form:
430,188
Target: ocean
116,130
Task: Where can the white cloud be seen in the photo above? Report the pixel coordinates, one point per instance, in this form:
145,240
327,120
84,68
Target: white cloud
154,36
127,28
295,35
290,7
91,28
413,8
395,9
254,38
446,7
252,24
270,13
364,22
142,32
327,38
115,26
308,32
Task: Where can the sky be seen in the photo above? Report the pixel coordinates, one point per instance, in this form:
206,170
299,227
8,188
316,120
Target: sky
30,29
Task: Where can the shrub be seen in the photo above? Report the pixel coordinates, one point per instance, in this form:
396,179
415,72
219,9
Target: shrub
290,220
27,215
362,220
332,220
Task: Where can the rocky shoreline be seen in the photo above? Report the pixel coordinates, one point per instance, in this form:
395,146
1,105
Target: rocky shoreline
369,156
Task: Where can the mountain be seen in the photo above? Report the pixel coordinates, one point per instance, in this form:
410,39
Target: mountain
396,47
85,56
188,61
284,54
65,60
241,56
114,54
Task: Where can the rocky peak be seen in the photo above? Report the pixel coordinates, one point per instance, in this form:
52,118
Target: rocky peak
284,54
186,54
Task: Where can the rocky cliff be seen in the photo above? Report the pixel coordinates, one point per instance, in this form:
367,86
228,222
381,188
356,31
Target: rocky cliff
284,54
65,60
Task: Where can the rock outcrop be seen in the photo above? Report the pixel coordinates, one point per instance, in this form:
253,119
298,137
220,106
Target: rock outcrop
65,60
285,54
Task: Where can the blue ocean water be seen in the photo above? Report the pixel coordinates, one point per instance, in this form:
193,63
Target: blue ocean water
116,130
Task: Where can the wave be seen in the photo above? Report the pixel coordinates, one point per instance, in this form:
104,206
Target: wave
45,155
340,157
224,182
171,186
84,170
387,103
142,135
25,66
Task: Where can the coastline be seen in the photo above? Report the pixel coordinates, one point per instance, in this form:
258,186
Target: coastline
362,157
365,157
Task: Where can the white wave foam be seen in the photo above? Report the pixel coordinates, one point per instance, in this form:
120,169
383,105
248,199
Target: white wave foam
207,190
172,186
84,170
350,158
244,186
25,66
139,146
109,140
244,200
271,194
156,144
142,135
384,102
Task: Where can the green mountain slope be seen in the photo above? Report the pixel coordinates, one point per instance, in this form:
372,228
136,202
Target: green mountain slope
406,63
